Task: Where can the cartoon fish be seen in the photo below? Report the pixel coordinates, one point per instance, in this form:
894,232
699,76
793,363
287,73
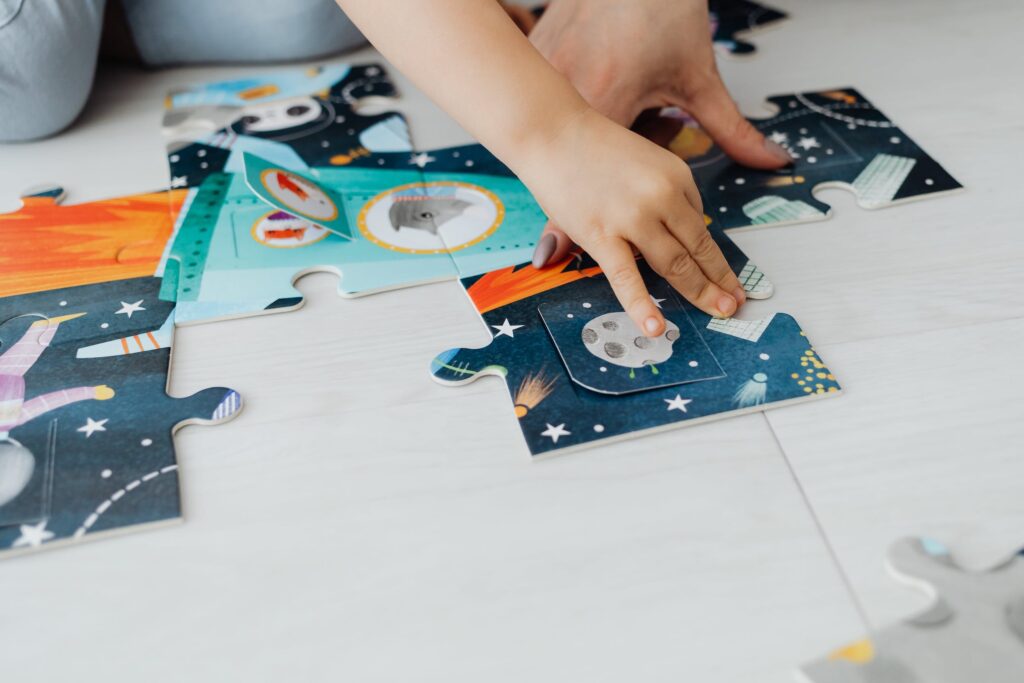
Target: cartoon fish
425,213
286,183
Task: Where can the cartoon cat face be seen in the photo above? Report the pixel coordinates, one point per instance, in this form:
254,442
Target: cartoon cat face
280,114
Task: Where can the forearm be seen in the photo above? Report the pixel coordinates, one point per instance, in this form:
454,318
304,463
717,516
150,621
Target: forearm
471,59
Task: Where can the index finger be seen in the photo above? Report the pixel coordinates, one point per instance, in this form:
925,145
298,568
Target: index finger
619,265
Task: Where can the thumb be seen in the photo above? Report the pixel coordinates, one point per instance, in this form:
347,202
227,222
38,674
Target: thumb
552,247
715,111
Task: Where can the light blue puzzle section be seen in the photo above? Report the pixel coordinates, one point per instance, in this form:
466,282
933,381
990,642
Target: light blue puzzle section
514,240
240,275
223,269
280,85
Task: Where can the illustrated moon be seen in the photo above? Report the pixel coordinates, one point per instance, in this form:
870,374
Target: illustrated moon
614,337
16,466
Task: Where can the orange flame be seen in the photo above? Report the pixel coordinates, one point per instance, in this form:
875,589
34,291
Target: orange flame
502,287
46,246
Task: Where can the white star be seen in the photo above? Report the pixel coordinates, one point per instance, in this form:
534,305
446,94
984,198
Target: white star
778,137
32,535
678,403
179,181
808,143
657,301
92,425
421,159
128,309
555,432
506,329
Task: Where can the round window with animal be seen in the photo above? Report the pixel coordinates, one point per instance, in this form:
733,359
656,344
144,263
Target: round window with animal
428,218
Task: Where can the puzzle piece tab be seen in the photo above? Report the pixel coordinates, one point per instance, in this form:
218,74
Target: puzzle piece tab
732,17
837,139
755,364
973,630
296,119
85,421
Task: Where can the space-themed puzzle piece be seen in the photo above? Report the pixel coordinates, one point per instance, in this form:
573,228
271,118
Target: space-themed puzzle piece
732,17
297,119
46,244
591,377
296,195
86,425
972,631
837,138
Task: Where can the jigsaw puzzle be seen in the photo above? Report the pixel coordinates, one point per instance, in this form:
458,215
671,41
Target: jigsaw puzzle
837,139
48,245
296,119
973,631
451,213
579,372
730,17
86,425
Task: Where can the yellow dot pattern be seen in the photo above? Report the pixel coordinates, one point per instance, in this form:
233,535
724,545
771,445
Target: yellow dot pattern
813,377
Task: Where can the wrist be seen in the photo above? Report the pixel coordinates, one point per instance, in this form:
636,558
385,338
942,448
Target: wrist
556,144
538,139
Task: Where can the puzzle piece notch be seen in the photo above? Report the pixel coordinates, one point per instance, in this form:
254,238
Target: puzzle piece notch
837,139
62,370
973,630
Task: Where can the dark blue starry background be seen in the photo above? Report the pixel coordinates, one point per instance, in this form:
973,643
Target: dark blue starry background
137,438
782,357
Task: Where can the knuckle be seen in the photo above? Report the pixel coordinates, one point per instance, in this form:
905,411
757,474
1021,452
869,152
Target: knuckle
682,266
743,129
705,249
622,276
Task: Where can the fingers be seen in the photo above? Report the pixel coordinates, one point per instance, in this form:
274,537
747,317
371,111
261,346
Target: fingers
690,231
716,112
680,267
522,17
552,247
619,265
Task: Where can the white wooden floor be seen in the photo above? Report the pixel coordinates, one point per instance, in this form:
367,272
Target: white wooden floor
359,522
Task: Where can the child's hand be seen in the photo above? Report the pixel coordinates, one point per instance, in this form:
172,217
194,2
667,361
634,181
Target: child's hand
626,57
612,191
607,187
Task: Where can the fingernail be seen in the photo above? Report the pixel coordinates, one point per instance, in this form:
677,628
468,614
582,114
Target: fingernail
740,296
726,305
545,248
777,151
651,326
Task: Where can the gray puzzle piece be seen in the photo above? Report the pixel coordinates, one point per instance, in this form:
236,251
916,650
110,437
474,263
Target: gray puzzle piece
973,632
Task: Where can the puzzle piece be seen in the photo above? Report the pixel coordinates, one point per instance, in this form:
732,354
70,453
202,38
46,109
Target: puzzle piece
837,138
730,17
973,631
86,425
296,119
755,363
296,195
48,245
